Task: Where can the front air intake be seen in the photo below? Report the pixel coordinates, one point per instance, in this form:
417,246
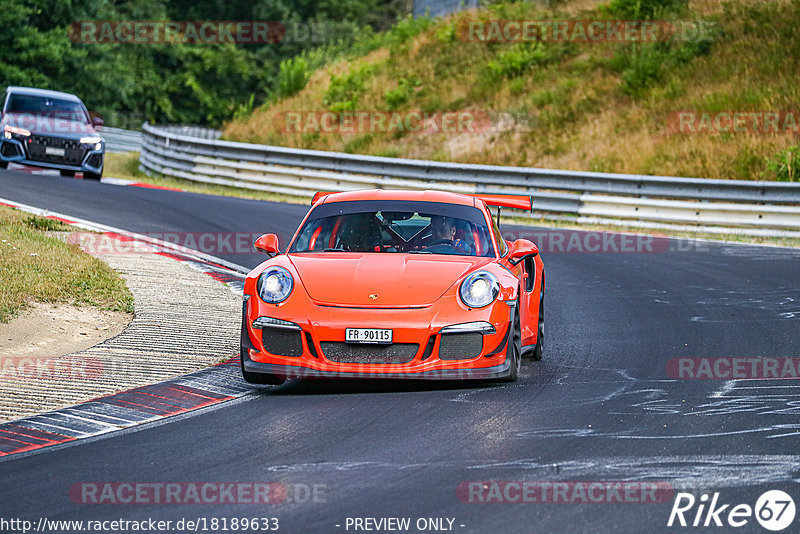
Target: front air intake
460,346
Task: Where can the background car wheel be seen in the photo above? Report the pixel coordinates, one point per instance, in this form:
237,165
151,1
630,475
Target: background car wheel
67,173
92,175
538,351
259,378
514,349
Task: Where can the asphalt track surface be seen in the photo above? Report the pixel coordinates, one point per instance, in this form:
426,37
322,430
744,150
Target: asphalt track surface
600,406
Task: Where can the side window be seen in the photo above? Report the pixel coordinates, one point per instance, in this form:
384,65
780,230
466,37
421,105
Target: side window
501,243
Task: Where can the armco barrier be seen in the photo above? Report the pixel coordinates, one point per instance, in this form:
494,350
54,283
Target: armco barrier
119,140
738,206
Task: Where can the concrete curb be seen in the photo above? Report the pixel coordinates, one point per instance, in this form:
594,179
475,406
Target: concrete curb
185,321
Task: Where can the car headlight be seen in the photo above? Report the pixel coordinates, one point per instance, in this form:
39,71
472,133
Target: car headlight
90,140
13,130
275,285
479,289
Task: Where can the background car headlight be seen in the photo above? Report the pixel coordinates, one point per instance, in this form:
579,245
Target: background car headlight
13,130
275,285
479,289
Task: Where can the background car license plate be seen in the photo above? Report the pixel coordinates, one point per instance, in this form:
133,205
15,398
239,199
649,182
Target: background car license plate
53,151
368,335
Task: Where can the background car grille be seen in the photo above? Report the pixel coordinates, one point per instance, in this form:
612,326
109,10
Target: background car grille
378,354
282,342
73,150
460,346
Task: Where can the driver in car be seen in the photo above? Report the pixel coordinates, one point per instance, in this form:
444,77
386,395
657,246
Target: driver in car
443,237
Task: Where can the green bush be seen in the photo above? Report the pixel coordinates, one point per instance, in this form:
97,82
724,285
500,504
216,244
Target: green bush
643,9
344,91
406,29
355,146
293,76
515,61
786,165
405,90
642,65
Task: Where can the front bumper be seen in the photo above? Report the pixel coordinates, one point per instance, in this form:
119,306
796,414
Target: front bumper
313,348
31,151
295,371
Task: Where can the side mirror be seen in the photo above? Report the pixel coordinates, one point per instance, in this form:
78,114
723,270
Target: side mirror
521,249
97,122
267,243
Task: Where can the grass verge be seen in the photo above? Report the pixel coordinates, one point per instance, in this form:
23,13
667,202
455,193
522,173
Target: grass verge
37,267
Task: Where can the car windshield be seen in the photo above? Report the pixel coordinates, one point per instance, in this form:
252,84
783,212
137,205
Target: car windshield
42,106
395,227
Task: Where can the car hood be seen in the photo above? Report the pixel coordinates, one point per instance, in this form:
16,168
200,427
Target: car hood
380,280
52,126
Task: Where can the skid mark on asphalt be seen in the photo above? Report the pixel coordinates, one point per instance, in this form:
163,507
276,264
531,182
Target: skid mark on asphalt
719,471
762,397
617,393
687,471
780,303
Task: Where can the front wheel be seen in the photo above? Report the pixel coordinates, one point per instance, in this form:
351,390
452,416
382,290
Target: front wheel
92,175
259,378
67,173
3,164
514,349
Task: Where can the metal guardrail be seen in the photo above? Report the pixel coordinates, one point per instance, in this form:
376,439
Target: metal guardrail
119,140
749,207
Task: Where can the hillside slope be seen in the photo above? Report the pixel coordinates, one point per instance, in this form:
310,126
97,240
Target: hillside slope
571,103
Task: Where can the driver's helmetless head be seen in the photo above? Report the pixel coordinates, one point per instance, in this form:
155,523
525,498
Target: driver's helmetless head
443,227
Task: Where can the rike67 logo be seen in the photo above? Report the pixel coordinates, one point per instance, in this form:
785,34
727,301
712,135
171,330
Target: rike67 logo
774,510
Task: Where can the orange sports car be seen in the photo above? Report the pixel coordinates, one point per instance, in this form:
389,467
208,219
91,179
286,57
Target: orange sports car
394,284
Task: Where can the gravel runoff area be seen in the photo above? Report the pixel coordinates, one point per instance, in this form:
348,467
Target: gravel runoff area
184,321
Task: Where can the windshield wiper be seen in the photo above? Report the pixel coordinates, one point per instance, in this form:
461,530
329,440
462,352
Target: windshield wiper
419,252
335,250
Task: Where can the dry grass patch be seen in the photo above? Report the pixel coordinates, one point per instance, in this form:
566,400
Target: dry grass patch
37,267
600,106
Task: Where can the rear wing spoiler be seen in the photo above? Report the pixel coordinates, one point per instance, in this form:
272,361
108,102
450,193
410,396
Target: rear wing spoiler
318,195
521,202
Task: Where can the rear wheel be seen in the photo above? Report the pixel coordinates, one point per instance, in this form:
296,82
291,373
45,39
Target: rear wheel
538,350
68,174
259,378
514,349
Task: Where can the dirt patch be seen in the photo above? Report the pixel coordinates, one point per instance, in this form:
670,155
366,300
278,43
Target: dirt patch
58,329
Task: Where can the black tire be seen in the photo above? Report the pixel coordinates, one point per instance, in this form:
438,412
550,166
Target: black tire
3,164
514,349
66,173
259,378
92,175
538,350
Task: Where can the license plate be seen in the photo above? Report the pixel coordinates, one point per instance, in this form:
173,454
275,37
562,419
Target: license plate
53,151
368,335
